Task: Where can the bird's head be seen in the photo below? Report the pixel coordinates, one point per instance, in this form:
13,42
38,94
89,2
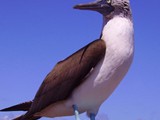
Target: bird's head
107,7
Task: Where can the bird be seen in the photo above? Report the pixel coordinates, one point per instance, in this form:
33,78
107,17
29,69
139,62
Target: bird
84,80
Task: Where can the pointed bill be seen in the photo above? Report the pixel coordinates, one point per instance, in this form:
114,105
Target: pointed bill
100,6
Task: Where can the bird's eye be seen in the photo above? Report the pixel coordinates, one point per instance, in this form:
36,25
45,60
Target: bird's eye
108,1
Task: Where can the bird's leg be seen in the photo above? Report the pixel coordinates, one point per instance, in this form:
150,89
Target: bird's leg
92,116
75,108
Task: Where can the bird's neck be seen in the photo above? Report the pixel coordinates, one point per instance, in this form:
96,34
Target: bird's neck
117,30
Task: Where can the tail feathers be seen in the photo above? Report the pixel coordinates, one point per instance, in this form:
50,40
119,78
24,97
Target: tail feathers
22,107
19,107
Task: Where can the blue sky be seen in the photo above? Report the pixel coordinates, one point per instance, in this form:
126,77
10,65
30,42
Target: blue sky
36,34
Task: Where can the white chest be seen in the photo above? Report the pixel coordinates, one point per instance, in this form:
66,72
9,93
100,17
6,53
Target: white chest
118,35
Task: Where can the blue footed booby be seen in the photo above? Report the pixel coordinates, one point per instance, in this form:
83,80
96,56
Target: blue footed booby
83,81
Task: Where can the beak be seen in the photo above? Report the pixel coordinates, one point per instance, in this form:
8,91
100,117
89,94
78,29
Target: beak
100,6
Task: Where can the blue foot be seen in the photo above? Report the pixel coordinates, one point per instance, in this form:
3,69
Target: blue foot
75,108
92,116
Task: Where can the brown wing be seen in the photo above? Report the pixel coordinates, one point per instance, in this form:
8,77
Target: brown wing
68,74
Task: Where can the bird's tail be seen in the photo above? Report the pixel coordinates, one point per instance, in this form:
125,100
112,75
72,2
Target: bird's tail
19,107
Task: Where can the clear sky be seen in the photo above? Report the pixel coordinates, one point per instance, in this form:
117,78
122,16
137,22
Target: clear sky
36,34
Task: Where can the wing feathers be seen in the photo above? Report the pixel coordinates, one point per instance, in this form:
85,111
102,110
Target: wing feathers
68,74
